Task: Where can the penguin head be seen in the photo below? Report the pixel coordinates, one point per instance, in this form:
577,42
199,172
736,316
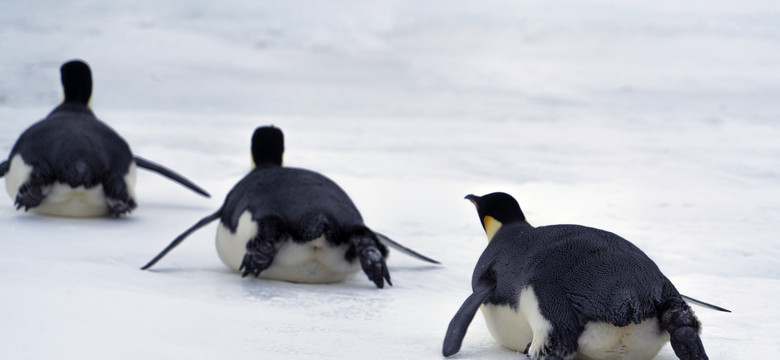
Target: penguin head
496,209
76,82
267,146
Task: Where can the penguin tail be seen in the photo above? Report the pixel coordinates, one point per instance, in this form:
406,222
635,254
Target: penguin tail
4,168
203,222
170,174
390,243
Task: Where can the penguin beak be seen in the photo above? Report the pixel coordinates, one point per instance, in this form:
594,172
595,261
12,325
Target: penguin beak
474,199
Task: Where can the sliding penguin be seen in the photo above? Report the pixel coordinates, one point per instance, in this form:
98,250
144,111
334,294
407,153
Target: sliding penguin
72,164
569,291
293,224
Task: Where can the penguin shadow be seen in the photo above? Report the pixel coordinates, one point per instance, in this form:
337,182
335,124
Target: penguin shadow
413,268
278,291
32,219
169,207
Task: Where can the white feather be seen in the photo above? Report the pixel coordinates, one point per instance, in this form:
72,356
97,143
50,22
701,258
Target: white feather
315,261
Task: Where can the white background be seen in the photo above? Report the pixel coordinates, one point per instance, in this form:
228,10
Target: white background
657,120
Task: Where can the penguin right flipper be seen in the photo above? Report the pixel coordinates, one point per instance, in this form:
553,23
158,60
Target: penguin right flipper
704,304
460,322
164,171
4,166
203,222
391,243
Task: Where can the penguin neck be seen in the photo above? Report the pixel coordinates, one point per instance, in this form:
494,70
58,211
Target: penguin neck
492,226
72,107
267,159
266,163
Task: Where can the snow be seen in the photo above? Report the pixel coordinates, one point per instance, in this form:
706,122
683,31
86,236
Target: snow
656,120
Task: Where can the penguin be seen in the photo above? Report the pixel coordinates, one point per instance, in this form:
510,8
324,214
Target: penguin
571,292
293,224
72,164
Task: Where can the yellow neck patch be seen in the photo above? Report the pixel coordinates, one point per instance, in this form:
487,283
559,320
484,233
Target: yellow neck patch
491,226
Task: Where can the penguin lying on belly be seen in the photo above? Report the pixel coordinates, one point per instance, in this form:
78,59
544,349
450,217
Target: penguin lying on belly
293,224
569,291
71,163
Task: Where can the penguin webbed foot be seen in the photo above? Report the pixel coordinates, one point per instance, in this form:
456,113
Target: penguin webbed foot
687,344
683,327
118,208
259,256
373,262
118,199
29,196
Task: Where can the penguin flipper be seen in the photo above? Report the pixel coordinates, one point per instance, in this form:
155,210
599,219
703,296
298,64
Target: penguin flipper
4,168
704,304
389,242
460,322
203,222
164,171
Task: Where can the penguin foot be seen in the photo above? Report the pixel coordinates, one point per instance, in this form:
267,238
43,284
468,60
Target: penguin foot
118,208
683,328
687,344
29,196
373,263
259,256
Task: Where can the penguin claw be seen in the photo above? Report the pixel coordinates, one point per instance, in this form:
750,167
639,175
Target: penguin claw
687,344
258,257
374,266
29,196
118,208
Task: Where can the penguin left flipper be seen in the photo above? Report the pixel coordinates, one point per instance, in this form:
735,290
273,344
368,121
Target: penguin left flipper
393,244
4,168
460,322
164,171
201,223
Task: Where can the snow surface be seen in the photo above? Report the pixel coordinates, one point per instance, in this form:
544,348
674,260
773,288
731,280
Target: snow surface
657,120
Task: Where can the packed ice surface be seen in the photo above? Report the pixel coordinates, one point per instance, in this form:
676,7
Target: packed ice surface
656,120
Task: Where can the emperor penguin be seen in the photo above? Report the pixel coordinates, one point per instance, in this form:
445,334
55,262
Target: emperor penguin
72,164
293,224
565,292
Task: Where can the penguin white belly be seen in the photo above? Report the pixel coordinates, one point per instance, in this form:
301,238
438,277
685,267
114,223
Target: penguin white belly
18,173
516,328
62,200
314,261
604,341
